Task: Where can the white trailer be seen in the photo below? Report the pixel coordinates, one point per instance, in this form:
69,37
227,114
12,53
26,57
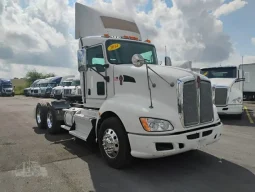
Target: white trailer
249,83
228,84
132,106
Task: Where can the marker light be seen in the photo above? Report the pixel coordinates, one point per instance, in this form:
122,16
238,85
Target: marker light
106,35
148,41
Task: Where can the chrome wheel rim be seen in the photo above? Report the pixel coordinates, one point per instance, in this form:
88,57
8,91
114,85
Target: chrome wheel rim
110,143
49,120
38,115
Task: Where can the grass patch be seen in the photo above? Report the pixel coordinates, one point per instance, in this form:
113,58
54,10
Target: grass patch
19,90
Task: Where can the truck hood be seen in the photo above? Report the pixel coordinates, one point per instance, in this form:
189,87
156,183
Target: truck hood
227,82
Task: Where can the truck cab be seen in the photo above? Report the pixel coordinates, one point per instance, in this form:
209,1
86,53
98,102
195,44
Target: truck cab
57,92
228,84
74,89
131,106
52,82
36,88
6,88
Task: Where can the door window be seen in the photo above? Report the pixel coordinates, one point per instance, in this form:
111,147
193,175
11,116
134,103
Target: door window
95,56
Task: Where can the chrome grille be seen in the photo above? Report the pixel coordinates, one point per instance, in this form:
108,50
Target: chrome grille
190,105
79,91
67,91
206,105
221,96
195,103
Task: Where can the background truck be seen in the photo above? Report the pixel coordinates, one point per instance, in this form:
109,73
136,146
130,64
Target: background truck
47,86
35,91
6,88
57,91
249,83
132,106
73,91
228,84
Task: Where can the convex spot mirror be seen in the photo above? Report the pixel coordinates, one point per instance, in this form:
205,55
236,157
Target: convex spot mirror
138,60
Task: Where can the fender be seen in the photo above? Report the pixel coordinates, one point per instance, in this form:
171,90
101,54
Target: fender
130,107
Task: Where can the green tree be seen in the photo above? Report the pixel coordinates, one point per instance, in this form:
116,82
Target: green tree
33,75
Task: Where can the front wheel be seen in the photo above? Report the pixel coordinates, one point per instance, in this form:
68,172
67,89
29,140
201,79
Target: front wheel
114,144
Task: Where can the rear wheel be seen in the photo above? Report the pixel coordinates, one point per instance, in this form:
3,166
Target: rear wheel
114,144
41,115
53,125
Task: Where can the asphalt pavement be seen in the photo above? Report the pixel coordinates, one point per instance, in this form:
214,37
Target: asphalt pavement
32,160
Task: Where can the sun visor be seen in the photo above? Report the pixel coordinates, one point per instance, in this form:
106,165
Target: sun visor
92,22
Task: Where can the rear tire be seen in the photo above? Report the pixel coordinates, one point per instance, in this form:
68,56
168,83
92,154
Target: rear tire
53,125
41,115
112,134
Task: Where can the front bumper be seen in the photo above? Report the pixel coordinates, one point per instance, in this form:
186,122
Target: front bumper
144,146
230,109
7,93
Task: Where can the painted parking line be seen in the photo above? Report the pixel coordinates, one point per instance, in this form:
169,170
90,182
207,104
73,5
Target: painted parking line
248,115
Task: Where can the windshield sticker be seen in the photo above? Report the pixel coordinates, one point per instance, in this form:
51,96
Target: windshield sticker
205,73
113,47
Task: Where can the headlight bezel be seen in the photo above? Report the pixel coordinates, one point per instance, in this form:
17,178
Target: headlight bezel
145,124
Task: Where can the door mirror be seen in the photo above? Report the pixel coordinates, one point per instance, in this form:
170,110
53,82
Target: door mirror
168,61
138,60
81,55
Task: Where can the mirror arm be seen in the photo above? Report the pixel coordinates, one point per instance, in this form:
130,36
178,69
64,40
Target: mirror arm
159,76
106,78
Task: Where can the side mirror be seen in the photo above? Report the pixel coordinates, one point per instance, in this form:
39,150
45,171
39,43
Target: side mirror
138,60
81,55
168,61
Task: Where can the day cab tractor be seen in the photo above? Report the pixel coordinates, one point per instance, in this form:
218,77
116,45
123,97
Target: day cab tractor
131,106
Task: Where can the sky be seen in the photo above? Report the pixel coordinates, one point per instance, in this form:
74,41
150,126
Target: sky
39,34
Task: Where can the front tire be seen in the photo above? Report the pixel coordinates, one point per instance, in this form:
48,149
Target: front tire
114,144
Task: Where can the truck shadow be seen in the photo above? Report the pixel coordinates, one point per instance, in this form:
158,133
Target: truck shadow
192,171
245,121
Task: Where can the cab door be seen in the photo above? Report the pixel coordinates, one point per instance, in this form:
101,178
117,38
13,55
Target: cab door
96,85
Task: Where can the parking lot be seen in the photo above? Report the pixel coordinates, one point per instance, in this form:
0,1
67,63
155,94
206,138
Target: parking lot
32,160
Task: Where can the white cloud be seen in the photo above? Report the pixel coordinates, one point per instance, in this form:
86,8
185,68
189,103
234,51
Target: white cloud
253,40
41,34
230,7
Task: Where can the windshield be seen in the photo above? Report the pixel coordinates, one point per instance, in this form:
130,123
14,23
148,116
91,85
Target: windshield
67,83
222,72
52,85
43,85
121,52
7,86
75,83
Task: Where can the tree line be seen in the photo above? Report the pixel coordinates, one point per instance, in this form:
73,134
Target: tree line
33,75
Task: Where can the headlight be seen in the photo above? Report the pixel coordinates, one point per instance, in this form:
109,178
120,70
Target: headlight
156,125
237,100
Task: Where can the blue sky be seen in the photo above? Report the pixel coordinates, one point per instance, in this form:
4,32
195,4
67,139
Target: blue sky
238,25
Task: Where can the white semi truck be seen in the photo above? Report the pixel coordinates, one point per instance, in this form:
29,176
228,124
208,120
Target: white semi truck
228,84
132,106
249,83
